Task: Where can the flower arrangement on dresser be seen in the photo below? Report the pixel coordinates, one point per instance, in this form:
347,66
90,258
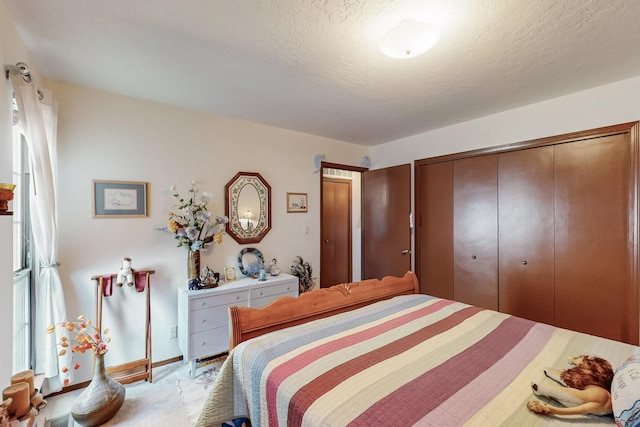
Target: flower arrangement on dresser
192,225
191,222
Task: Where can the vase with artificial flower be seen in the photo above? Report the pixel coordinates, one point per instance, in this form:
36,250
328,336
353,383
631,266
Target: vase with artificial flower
193,227
103,397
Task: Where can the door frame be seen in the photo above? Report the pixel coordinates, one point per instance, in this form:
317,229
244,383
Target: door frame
357,169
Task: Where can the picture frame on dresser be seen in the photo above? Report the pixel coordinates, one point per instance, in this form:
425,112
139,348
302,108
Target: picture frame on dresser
229,274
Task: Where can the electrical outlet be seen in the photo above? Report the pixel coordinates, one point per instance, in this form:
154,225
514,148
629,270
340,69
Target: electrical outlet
173,332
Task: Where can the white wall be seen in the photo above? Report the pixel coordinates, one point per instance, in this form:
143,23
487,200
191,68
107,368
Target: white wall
602,106
105,136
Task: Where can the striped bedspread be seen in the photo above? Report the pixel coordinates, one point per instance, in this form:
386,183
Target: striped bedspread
412,360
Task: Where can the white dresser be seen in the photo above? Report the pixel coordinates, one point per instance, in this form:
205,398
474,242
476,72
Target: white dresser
203,316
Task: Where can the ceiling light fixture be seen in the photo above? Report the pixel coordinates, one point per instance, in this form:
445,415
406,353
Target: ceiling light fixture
409,39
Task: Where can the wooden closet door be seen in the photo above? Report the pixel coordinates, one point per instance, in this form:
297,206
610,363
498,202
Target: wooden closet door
594,238
436,229
386,231
475,231
526,227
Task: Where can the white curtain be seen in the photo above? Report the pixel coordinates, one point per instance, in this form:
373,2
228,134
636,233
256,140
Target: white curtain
38,123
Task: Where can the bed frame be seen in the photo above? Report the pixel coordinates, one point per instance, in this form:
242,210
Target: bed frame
246,323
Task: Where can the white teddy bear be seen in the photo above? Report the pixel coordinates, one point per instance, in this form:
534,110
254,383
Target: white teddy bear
125,273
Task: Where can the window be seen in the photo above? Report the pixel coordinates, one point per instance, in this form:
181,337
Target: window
23,283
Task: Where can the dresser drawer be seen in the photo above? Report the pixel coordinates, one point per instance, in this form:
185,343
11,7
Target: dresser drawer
209,342
205,319
282,288
236,298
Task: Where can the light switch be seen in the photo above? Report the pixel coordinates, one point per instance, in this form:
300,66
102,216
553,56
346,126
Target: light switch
306,230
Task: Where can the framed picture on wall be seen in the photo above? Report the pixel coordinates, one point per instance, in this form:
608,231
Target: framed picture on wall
119,199
296,202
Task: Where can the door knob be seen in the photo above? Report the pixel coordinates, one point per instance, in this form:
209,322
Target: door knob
524,262
473,257
405,251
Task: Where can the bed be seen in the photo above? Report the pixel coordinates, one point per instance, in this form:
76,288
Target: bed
377,352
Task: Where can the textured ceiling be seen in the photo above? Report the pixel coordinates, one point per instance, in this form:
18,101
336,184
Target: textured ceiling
314,66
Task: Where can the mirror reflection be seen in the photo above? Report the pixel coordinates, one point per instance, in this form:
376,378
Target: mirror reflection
248,205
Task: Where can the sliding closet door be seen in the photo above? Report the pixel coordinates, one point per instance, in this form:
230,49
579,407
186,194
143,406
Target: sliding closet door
526,227
594,237
436,229
475,231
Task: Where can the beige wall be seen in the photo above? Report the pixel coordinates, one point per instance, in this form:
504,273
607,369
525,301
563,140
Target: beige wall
106,136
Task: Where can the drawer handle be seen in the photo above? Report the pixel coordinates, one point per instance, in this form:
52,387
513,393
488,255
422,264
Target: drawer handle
204,320
261,293
204,343
203,303
237,297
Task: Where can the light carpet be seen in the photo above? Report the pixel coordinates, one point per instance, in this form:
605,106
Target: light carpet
173,399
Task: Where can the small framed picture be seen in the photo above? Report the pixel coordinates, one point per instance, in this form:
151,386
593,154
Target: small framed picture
229,274
122,199
296,202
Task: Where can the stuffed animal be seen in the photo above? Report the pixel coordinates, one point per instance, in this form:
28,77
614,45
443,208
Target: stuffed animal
125,273
582,389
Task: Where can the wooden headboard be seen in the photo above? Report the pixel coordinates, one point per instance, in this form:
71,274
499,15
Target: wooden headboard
246,323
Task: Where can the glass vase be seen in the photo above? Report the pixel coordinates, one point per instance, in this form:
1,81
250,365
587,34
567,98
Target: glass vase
101,400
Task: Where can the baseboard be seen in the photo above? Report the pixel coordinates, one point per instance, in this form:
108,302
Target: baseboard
83,384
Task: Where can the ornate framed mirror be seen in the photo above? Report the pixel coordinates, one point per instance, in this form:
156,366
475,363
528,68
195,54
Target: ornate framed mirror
248,205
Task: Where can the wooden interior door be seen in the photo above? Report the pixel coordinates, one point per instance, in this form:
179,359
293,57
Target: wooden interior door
595,214
336,232
434,230
475,231
526,229
386,231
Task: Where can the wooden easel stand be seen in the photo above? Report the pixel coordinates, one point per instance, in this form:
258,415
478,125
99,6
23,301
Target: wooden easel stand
138,369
